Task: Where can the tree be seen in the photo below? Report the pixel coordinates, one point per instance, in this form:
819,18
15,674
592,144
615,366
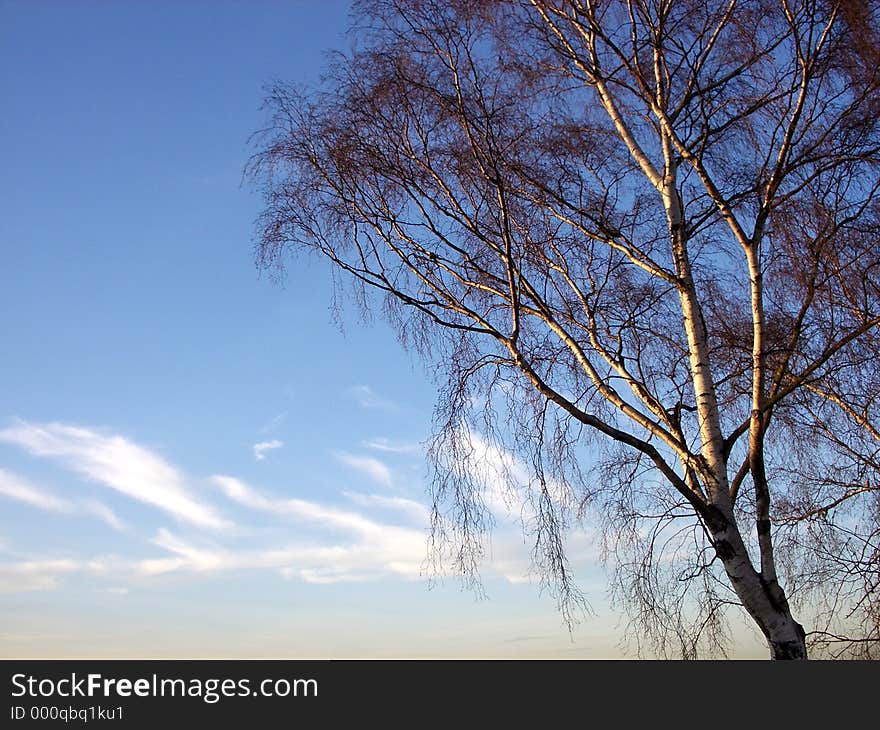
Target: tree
644,229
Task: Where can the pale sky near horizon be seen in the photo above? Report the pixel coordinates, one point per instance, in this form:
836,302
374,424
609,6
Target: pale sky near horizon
194,460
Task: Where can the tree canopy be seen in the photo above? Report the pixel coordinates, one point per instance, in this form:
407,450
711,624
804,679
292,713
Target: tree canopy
638,239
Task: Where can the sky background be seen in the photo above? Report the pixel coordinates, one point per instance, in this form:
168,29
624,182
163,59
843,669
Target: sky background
195,461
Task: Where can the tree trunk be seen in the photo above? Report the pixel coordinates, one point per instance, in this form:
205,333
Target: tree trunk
795,648
765,601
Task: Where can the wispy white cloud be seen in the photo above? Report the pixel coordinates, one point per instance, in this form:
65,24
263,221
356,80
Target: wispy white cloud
104,513
16,488
373,468
46,573
506,480
117,463
362,548
261,448
322,515
34,575
195,558
274,422
392,447
394,551
415,511
366,397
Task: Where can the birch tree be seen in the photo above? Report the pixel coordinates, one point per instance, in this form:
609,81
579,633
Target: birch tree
638,239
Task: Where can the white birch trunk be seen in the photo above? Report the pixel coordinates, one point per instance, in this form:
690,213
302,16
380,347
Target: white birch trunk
764,600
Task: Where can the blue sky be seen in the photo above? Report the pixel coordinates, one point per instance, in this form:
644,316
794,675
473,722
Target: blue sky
195,460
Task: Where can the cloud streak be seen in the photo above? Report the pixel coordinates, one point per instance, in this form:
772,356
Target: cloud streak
16,488
373,468
364,548
115,462
507,482
45,573
34,575
415,511
392,447
321,515
274,422
261,448
368,398
104,513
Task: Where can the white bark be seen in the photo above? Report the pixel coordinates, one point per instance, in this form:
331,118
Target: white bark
761,595
712,441
765,602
